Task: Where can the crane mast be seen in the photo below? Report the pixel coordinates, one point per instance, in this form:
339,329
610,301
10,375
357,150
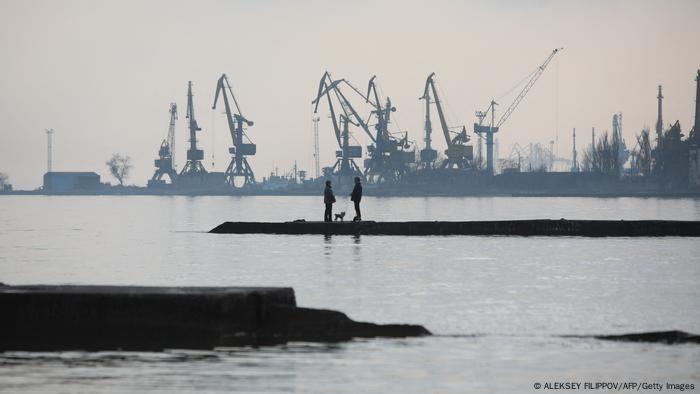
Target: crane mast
194,155
238,167
427,155
171,132
493,127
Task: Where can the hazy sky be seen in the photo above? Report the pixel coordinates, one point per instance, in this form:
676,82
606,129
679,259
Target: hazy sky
102,73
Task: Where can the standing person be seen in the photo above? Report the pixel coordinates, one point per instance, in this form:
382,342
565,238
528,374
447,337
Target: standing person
328,199
355,197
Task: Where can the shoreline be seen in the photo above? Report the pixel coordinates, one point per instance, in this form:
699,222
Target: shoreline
368,193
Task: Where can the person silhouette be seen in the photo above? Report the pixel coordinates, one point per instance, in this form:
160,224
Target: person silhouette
355,197
328,199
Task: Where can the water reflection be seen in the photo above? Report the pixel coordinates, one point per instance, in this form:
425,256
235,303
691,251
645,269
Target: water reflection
327,245
356,248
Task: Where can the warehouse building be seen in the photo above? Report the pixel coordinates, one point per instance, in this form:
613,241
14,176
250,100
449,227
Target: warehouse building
59,182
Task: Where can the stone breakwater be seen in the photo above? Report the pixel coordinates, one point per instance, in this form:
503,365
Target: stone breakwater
539,227
46,318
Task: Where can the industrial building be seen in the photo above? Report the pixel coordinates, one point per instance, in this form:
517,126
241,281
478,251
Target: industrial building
64,182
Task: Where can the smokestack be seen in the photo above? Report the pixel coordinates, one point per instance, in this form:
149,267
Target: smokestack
49,150
697,101
660,120
574,162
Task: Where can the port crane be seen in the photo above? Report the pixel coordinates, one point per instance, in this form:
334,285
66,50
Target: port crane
165,163
490,129
459,154
242,146
388,158
195,155
345,165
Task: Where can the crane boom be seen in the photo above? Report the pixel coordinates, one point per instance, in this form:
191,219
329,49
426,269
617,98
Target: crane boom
326,88
430,83
536,75
190,115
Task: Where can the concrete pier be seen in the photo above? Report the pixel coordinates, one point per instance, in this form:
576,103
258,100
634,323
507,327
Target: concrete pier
155,318
545,227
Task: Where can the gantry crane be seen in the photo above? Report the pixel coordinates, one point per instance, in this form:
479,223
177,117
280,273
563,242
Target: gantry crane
494,126
242,146
459,154
195,156
165,163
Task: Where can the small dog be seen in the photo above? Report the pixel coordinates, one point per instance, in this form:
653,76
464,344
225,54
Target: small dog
340,216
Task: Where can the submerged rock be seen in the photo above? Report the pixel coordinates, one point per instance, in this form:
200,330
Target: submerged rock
669,337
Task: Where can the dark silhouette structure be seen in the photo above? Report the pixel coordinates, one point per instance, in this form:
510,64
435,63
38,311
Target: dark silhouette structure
538,227
328,200
242,146
50,318
165,164
194,166
356,197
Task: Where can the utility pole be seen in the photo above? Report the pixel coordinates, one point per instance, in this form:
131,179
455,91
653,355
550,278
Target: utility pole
49,149
574,162
659,120
317,160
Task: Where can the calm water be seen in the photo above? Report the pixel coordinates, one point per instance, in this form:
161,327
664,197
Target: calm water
498,305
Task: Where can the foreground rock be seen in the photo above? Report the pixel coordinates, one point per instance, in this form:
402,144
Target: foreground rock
563,227
669,337
155,318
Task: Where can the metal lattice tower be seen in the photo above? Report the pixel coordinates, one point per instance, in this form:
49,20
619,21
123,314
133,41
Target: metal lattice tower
49,149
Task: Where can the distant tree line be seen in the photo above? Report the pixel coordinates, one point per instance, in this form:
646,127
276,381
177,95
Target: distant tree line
666,162
604,157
